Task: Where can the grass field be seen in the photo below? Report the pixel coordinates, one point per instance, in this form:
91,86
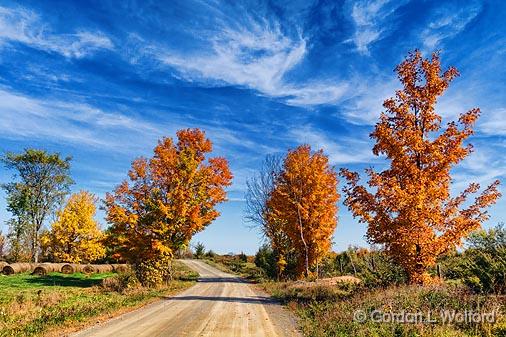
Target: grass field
330,311
44,305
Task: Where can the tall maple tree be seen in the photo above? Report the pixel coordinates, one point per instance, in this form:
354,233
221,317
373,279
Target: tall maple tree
167,199
75,236
409,209
303,204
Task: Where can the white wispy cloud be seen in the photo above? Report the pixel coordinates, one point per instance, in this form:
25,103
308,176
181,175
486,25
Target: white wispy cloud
341,150
366,105
24,26
78,123
448,22
255,54
483,166
493,122
369,18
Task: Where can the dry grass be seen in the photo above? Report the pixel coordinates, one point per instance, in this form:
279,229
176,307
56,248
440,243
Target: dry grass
329,310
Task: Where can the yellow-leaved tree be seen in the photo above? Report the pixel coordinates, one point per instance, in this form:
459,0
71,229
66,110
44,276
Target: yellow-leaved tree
409,209
75,236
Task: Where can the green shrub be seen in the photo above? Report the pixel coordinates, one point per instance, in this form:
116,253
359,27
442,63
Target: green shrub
243,257
482,266
265,259
210,254
120,282
375,268
200,250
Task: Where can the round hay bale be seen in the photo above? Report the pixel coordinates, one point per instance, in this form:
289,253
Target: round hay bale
120,268
87,269
69,268
102,268
44,268
16,268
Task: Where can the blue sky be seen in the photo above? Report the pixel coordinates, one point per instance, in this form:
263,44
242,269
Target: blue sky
103,80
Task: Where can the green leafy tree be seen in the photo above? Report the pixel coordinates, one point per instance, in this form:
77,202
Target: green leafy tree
42,182
200,250
266,259
485,260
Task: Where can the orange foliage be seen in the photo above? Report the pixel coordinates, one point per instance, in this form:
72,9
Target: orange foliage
304,205
411,211
167,199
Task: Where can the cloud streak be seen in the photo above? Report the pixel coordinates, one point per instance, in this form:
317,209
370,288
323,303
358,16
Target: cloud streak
369,18
79,123
344,151
256,55
448,22
19,25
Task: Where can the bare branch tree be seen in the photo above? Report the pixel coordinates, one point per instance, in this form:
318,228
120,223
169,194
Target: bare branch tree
259,190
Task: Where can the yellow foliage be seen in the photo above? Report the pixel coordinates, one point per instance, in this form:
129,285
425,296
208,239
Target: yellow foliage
75,236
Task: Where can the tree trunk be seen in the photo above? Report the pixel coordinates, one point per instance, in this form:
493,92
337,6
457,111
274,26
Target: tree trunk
35,244
306,252
352,264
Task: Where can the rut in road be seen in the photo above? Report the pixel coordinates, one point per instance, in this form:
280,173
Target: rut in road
220,304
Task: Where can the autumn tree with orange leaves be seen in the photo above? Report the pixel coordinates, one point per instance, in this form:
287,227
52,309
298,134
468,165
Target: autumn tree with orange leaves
166,200
409,209
303,205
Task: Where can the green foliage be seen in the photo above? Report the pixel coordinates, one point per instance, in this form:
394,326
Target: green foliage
303,292
266,259
43,181
210,254
375,268
200,250
243,257
482,266
120,282
235,264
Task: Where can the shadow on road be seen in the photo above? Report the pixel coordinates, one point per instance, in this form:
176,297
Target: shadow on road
248,300
222,279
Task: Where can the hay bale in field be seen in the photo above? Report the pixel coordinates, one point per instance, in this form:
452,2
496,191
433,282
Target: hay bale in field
102,268
16,268
120,268
2,264
44,268
70,268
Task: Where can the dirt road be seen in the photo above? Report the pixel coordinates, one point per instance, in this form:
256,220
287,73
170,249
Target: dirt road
220,304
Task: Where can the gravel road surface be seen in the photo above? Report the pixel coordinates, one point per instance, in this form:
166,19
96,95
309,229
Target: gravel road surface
220,304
